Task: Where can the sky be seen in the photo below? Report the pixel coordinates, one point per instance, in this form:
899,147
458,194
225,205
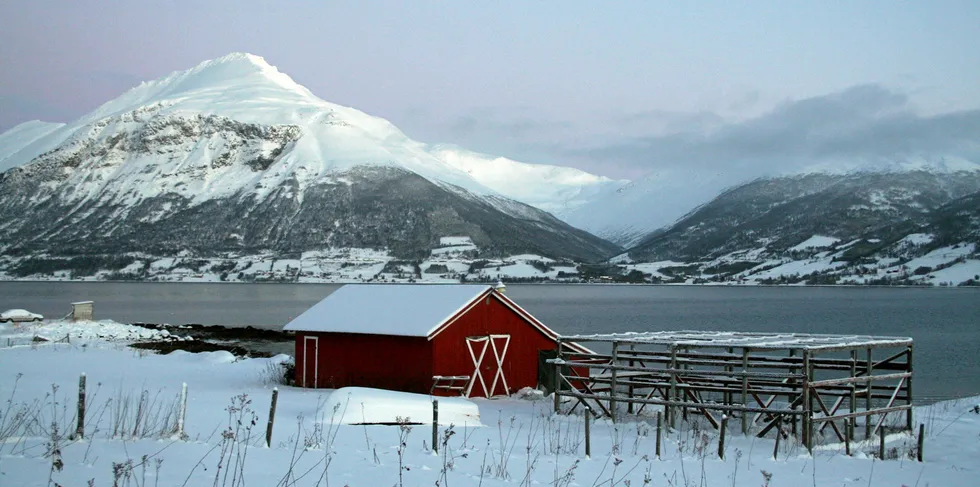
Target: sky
616,88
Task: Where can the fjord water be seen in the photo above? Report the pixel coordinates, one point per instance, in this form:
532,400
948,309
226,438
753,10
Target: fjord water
944,322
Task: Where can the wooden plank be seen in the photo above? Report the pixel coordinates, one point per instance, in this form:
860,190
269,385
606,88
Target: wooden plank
863,413
707,405
864,378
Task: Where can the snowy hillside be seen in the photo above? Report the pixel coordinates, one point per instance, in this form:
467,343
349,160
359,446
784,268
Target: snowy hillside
21,136
627,213
913,227
234,155
554,189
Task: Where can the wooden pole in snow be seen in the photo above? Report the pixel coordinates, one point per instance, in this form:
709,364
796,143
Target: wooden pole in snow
435,426
588,439
721,439
272,417
922,436
80,430
881,442
779,434
660,425
183,411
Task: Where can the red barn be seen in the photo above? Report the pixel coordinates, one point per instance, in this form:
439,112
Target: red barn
400,336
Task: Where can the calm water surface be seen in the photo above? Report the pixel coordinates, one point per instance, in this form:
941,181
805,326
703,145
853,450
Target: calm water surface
945,323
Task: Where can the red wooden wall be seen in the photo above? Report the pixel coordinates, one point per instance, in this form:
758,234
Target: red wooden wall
450,355
381,361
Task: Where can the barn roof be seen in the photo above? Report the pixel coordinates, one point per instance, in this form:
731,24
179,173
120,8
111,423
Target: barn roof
387,309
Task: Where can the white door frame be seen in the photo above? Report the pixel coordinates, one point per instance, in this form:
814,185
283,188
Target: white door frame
498,355
306,358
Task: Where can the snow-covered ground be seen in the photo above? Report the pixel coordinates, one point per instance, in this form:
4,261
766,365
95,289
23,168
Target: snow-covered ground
816,241
131,418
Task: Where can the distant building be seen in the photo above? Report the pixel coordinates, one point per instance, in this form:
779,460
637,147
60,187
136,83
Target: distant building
82,310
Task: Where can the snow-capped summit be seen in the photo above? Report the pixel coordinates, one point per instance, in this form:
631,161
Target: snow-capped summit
238,134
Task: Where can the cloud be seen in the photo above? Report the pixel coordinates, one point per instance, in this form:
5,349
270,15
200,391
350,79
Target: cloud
862,124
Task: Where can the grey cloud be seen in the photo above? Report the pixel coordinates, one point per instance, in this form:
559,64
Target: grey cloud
865,122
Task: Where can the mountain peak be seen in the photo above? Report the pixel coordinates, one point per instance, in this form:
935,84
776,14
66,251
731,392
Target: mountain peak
230,80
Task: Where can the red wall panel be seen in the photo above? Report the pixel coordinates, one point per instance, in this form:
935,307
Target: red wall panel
380,361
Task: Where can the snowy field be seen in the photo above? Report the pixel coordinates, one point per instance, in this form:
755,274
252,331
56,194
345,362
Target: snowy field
131,439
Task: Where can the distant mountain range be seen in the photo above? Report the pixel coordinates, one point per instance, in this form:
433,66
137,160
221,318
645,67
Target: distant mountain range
233,158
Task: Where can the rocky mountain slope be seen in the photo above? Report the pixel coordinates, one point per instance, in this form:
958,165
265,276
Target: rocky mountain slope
233,155
861,227
779,213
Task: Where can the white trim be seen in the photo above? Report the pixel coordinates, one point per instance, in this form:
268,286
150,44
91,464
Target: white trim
446,323
500,364
477,362
316,358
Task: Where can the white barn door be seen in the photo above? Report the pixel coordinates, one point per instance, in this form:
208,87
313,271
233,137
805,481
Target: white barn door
488,354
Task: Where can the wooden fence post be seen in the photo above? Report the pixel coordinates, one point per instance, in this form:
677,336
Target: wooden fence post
272,417
612,384
908,392
922,435
848,431
779,434
183,411
80,430
435,426
721,439
869,371
745,390
660,425
807,403
588,440
881,442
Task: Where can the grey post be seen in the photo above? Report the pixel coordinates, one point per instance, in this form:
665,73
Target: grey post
672,410
745,390
660,424
881,442
908,391
183,411
80,430
612,385
922,435
272,417
588,440
779,434
435,426
807,403
721,439
867,396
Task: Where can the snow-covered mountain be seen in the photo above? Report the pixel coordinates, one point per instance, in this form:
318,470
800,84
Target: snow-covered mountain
627,213
234,154
555,189
21,136
893,227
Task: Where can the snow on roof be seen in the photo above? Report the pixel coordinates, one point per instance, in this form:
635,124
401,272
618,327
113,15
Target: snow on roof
747,340
387,309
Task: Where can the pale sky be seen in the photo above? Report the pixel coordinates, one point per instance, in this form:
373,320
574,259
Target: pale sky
617,88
